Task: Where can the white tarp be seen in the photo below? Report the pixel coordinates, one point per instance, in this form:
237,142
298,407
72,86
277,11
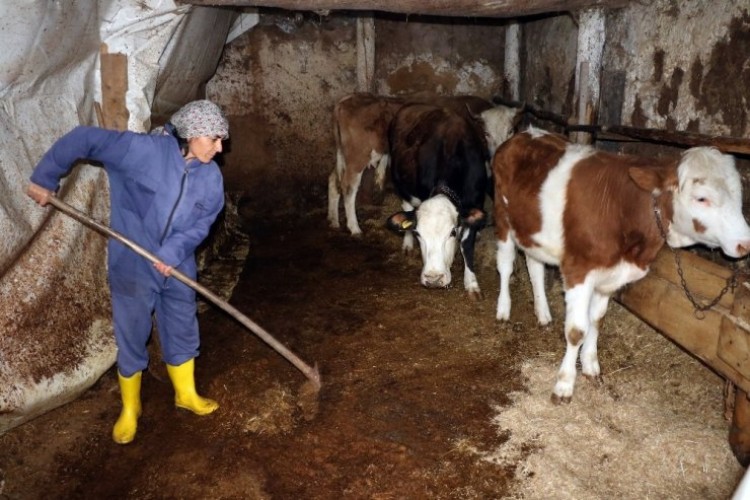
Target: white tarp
55,333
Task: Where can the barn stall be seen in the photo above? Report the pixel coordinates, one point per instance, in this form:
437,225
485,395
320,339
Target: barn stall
424,393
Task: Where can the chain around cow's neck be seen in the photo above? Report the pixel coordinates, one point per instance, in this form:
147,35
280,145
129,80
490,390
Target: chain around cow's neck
698,308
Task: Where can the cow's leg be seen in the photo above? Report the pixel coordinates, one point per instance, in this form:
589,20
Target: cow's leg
350,197
468,240
536,276
334,191
506,255
589,357
577,306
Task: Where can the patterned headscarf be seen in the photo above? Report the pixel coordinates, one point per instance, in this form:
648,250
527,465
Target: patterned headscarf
200,118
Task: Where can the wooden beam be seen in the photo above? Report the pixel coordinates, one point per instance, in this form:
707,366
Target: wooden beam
365,52
731,145
455,8
114,75
735,145
659,300
512,67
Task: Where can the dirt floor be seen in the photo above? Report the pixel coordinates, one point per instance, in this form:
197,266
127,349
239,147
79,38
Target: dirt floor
424,395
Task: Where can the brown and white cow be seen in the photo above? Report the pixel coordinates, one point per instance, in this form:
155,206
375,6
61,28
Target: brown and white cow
360,128
597,216
440,171
360,123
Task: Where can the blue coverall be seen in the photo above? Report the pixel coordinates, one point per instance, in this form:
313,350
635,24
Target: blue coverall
166,206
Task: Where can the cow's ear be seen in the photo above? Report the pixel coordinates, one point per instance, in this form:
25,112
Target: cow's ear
475,217
402,222
647,179
654,180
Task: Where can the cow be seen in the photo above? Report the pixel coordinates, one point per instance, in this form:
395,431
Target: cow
601,218
360,126
440,171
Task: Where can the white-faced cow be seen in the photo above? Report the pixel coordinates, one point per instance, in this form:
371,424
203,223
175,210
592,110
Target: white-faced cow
599,217
361,122
440,172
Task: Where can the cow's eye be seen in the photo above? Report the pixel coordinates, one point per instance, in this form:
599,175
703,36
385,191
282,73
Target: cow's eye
703,200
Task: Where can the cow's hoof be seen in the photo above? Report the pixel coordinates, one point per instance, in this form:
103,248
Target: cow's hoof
544,321
559,400
476,295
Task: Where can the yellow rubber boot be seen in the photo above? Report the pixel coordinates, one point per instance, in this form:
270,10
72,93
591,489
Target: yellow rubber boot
130,390
183,380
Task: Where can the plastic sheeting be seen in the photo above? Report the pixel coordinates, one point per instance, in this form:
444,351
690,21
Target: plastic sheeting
55,334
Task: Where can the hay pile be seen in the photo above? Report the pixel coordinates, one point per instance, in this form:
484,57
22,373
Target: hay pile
655,429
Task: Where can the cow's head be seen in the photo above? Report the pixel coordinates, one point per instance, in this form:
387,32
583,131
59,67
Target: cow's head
499,124
438,226
706,201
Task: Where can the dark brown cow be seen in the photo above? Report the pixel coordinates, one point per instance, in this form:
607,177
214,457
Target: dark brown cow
440,171
597,216
360,122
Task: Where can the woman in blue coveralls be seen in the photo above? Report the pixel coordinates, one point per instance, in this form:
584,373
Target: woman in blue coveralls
165,192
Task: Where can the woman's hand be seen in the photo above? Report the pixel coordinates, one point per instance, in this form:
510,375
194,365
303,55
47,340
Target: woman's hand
163,268
39,194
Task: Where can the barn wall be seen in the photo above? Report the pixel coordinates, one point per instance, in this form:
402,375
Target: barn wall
279,82
667,65
548,59
445,56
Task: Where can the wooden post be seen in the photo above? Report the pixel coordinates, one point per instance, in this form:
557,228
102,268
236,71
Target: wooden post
114,75
739,431
512,67
365,52
591,36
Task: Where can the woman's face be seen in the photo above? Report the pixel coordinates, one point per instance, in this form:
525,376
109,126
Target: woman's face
203,148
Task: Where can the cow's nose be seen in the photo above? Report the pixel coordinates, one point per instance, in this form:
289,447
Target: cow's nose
435,280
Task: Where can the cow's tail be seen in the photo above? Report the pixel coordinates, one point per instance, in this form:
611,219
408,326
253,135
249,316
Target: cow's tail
337,136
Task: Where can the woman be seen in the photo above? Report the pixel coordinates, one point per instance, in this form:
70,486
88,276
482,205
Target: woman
165,192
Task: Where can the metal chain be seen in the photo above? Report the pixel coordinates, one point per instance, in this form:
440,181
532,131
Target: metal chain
698,308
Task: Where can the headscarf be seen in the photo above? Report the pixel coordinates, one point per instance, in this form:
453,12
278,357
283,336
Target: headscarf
200,118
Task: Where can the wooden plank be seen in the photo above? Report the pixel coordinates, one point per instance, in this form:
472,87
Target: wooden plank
365,52
459,8
114,76
663,305
734,337
659,300
704,278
